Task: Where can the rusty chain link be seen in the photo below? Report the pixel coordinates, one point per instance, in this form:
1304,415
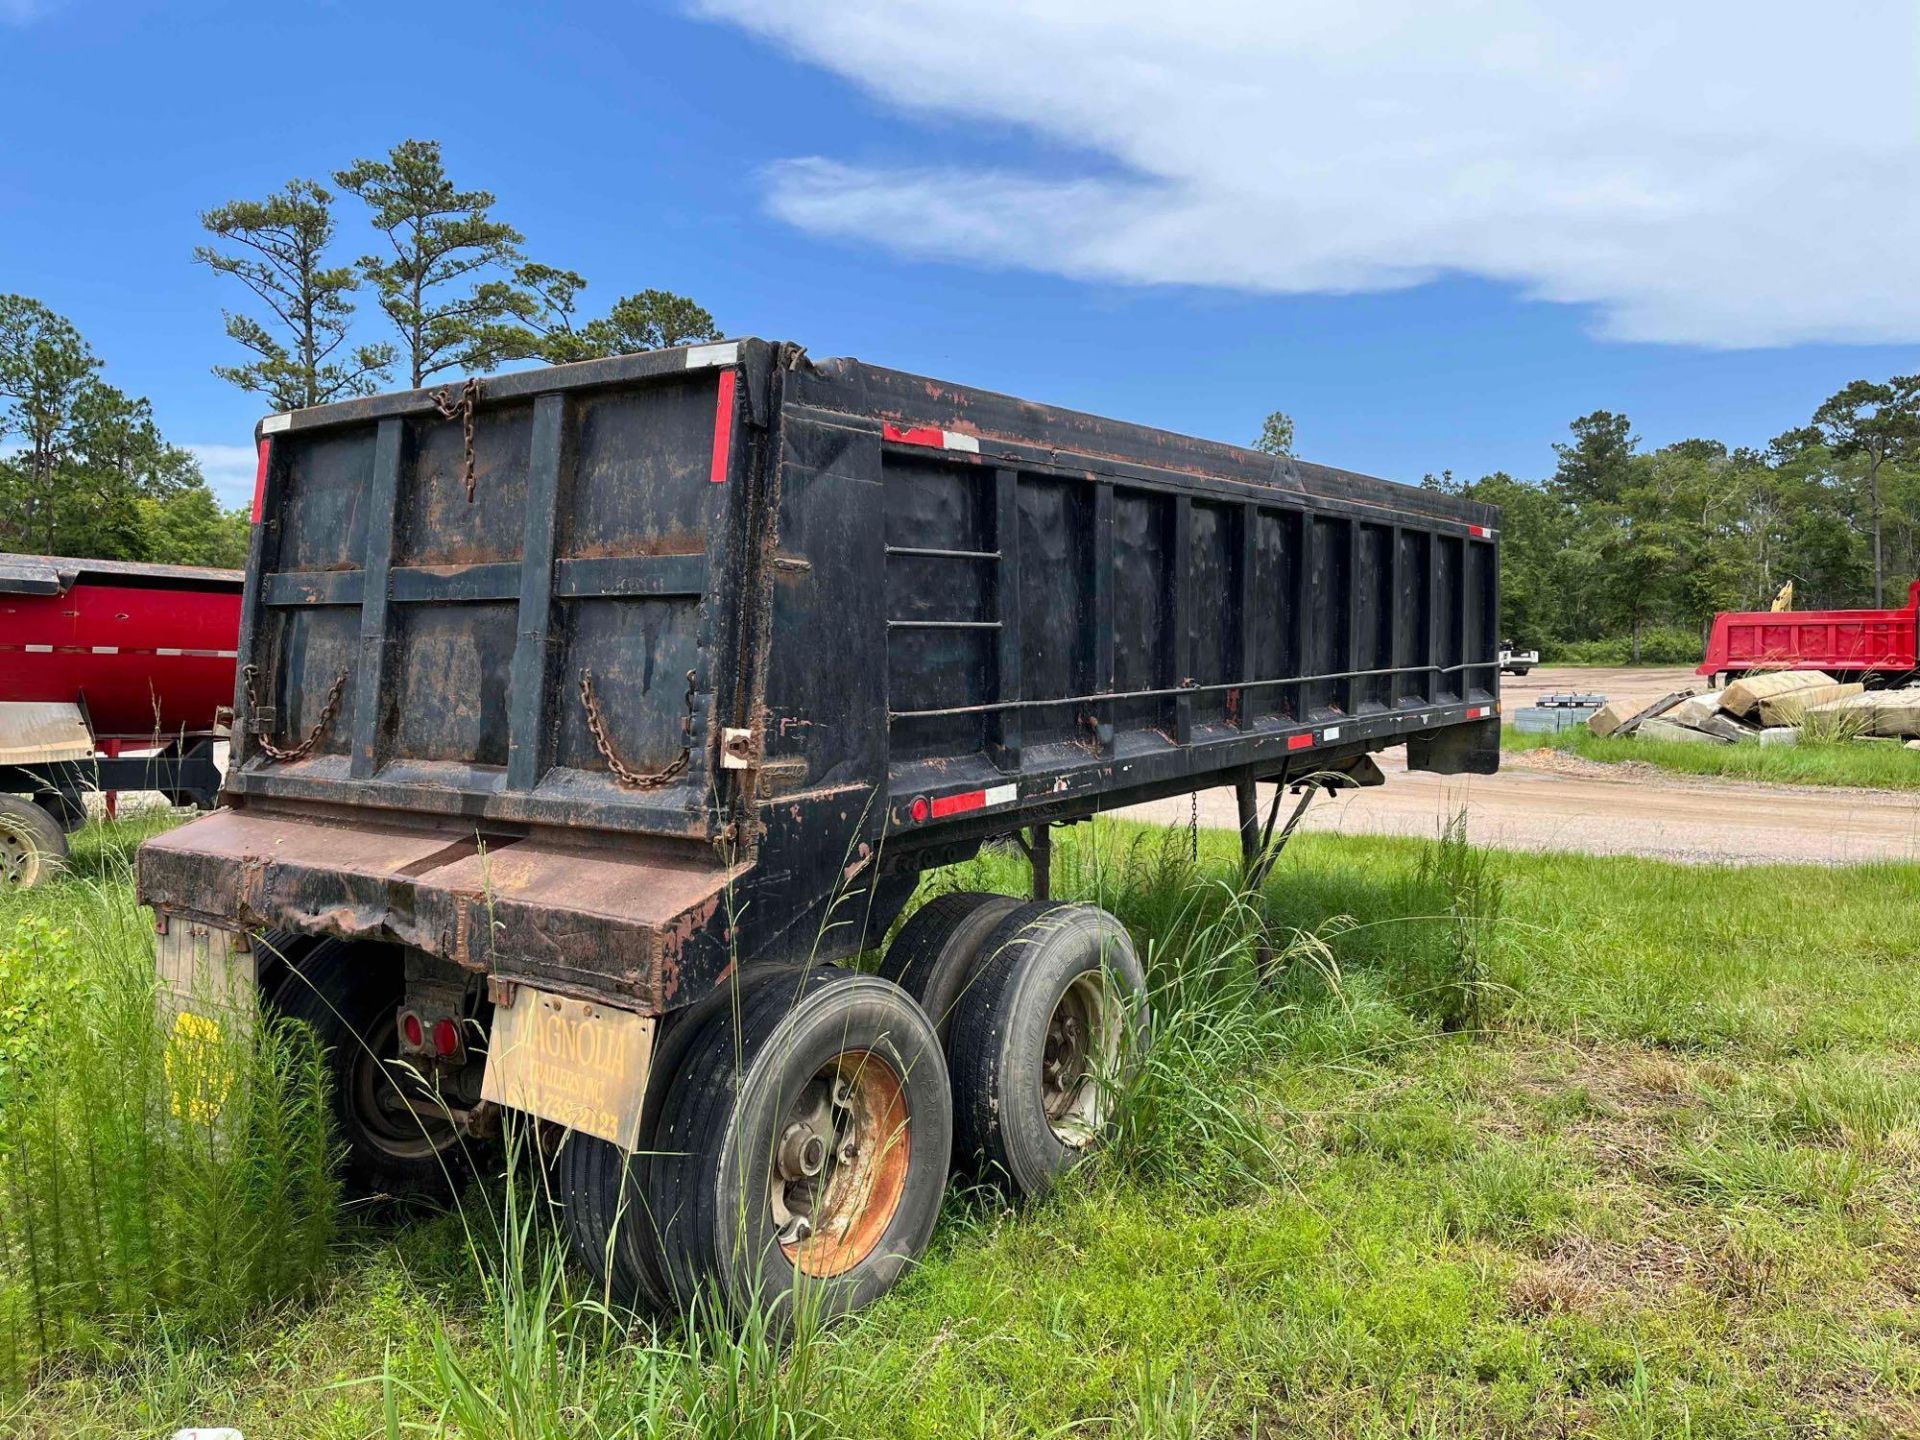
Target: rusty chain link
634,779
461,410
305,747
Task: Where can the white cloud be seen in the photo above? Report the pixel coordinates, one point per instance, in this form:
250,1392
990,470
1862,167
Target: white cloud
229,470
1716,173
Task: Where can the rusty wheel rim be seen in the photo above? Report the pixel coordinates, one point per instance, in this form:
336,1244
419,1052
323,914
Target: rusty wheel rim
1082,1045
840,1159
20,859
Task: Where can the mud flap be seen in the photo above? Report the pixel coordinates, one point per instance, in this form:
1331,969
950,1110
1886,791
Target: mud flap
1470,749
207,1004
578,1063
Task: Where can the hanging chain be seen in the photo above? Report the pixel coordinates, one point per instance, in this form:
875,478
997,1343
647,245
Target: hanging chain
634,779
305,747
1193,823
461,410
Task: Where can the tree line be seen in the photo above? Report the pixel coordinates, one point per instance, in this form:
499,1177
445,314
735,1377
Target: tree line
84,469
1623,553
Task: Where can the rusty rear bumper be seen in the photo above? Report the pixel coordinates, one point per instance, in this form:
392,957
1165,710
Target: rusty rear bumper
643,924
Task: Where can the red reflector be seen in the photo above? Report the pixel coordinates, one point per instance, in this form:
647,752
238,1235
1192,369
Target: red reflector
446,1037
959,804
260,479
722,429
920,810
411,1029
1299,742
915,435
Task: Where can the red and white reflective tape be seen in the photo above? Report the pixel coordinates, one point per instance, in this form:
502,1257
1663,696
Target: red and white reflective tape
260,478
924,809
1307,741
1479,712
930,436
1481,532
722,429
118,650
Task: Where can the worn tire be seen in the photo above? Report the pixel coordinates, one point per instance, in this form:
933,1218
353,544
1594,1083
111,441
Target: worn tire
722,1146
1049,971
273,952
938,950
349,995
69,811
32,844
603,1190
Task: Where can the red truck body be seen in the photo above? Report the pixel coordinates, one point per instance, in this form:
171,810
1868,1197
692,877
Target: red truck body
148,650
1841,642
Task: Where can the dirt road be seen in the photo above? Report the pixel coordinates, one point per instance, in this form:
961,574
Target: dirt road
1560,802
1640,685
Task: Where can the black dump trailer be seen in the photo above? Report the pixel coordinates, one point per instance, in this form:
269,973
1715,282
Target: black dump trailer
587,715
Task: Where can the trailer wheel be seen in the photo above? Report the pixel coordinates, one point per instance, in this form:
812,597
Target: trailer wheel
938,950
803,1153
1055,1016
603,1190
32,844
399,1140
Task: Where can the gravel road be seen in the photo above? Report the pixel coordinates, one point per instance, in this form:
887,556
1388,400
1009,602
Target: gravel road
1560,802
1640,684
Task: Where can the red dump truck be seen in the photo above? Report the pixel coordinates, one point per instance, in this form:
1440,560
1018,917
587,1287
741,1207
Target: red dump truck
1876,647
113,676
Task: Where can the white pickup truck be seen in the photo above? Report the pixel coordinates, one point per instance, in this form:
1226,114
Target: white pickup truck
1517,662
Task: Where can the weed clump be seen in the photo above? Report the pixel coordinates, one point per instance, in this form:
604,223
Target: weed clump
135,1183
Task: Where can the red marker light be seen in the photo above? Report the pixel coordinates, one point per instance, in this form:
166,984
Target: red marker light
446,1037
920,810
412,1031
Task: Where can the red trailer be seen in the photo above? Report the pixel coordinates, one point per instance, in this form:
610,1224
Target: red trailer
98,658
1874,646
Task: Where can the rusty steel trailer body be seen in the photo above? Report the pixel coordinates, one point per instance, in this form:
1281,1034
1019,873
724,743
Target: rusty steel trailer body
857,620
632,686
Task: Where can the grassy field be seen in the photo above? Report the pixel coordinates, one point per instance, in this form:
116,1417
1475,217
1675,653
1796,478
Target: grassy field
1870,764
1515,1144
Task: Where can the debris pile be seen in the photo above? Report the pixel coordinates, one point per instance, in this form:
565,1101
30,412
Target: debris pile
1775,708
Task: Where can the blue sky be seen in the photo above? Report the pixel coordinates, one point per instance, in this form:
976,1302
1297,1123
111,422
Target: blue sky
1434,235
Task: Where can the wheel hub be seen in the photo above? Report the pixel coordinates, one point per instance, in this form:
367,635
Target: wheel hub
1082,1048
398,1110
839,1164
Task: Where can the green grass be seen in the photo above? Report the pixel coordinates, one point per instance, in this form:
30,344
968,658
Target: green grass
1867,764
143,1183
1511,1144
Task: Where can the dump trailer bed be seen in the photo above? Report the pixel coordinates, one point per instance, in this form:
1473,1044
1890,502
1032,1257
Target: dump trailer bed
1874,646
638,670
